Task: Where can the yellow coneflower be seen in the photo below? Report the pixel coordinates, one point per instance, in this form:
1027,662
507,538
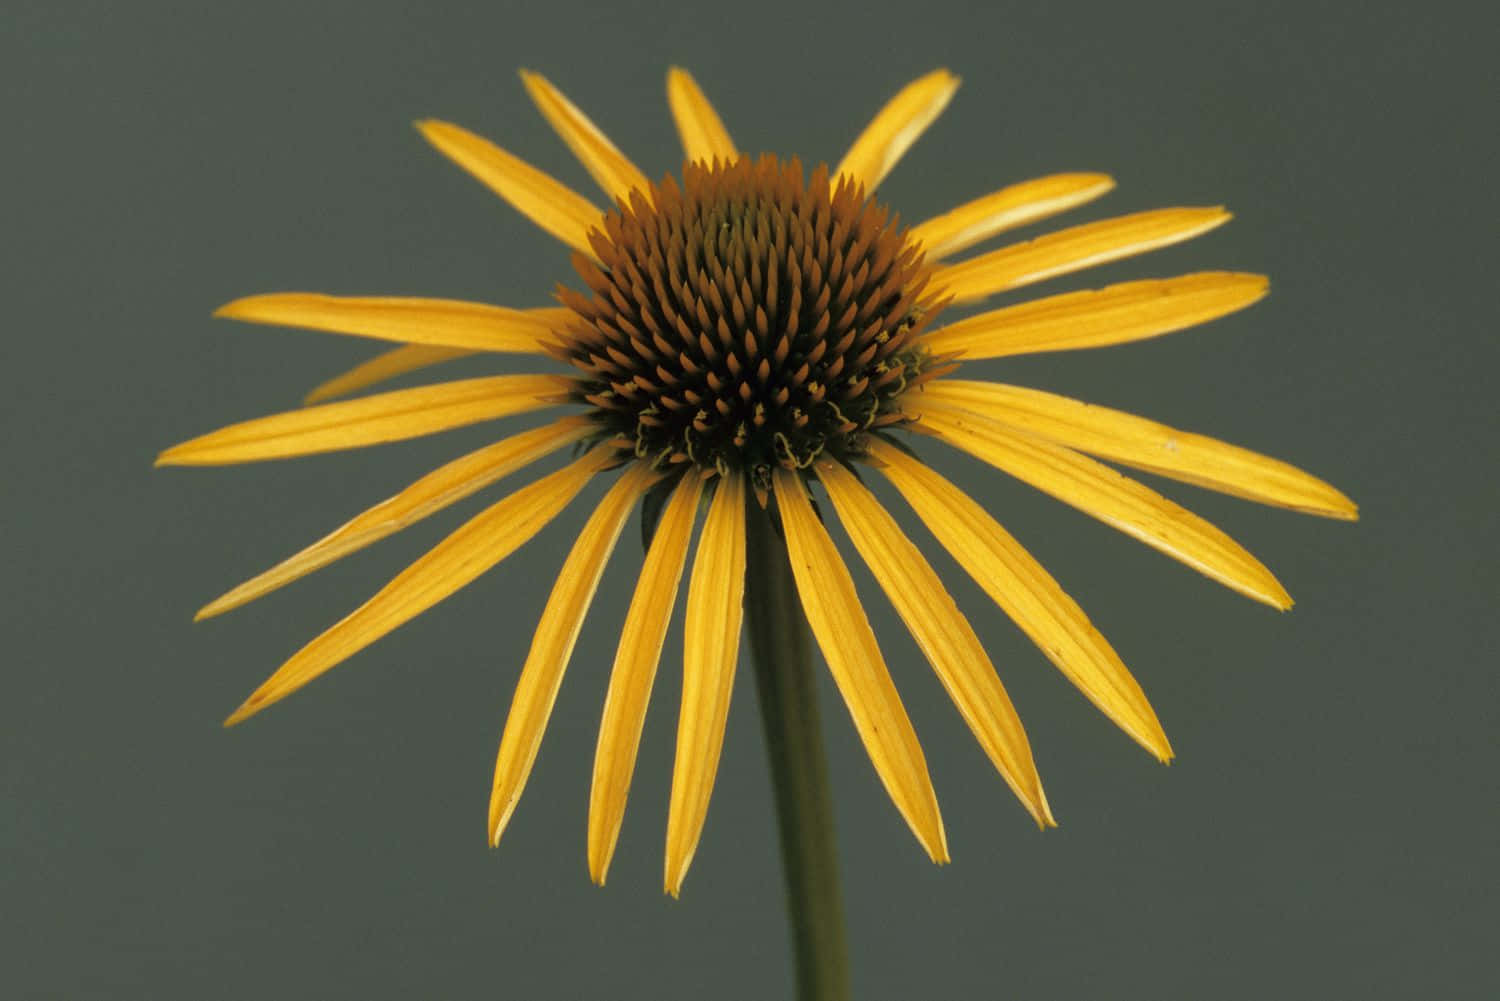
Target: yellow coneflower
744,333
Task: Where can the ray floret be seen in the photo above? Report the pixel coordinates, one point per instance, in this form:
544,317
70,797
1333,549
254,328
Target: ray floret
1099,491
1072,250
710,651
552,643
703,135
541,198
942,632
843,634
383,367
1016,205
447,323
1145,444
1028,594
895,127
370,420
478,545
634,672
613,171
1096,318
445,485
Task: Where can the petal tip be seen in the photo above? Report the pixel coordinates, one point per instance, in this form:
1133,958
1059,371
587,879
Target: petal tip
1041,812
233,309
248,708
1343,507
433,129
598,867
536,85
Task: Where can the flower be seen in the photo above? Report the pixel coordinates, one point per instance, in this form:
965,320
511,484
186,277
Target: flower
743,332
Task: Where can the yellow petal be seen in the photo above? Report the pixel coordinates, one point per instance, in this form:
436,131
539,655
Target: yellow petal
449,323
1098,490
1026,593
552,643
704,137
1144,444
897,125
483,541
1005,209
710,652
1072,250
384,366
554,207
445,485
1130,311
843,633
635,671
369,420
942,632
605,163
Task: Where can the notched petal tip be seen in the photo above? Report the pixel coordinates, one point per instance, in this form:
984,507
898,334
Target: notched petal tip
1341,506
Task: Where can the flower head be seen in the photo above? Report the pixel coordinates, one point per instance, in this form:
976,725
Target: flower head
738,335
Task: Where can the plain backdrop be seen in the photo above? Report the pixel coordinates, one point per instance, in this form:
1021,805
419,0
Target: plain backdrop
1329,827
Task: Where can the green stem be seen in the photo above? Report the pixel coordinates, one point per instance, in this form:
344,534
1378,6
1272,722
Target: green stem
781,648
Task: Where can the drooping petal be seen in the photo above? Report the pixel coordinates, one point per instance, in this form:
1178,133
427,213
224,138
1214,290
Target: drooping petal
552,643
711,645
1116,500
1016,205
1026,593
370,420
383,367
843,633
544,200
896,126
482,542
605,163
704,137
445,485
1096,318
449,323
634,672
1072,250
1145,444
940,629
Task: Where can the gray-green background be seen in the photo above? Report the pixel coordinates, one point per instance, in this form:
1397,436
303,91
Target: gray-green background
1329,827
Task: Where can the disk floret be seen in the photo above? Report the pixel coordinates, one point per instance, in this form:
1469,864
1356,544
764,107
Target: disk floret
748,318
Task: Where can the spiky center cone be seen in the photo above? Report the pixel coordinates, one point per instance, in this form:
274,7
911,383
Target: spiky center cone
749,318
